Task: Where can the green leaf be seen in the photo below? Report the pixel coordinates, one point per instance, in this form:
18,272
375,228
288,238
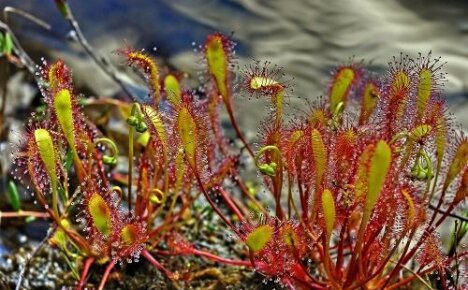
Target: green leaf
13,196
68,160
46,149
319,153
172,88
420,131
129,234
329,212
379,166
459,161
339,90
64,111
187,133
218,60
6,44
259,237
100,213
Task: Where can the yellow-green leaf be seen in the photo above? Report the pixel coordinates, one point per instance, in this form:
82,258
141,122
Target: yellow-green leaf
424,90
129,234
217,60
459,162
319,155
259,238
172,88
100,213
46,151
360,183
340,87
64,111
187,133
420,131
329,212
379,166
369,102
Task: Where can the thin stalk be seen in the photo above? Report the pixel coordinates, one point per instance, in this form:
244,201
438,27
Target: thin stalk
327,261
404,258
105,277
55,198
449,214
130,168
104,65
11,10
341,240
212,204
416,275
356,252
21,213
238,131
89,261
24,58
216,258
407,280
156,264
230,203
246,192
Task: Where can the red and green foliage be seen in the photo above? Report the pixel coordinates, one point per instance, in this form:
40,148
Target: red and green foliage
359,184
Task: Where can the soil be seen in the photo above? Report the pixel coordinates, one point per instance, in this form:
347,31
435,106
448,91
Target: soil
48,268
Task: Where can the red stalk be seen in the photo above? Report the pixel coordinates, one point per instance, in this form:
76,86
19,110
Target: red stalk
230,203
89,261
156,264
24,214
105,277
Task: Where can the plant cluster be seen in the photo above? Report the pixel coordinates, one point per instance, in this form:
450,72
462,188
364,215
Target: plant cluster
359,182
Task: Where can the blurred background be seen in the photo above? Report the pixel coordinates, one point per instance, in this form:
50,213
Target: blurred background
308,38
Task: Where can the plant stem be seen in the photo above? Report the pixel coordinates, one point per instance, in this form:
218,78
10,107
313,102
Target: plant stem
130,168
231,204
238,131
24,214
158,265
105,277
89,261
237,179
98,60
212,204
216,258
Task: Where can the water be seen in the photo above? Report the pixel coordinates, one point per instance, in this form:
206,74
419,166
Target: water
307,37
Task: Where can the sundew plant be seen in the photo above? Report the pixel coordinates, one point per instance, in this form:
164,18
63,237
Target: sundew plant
355,187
